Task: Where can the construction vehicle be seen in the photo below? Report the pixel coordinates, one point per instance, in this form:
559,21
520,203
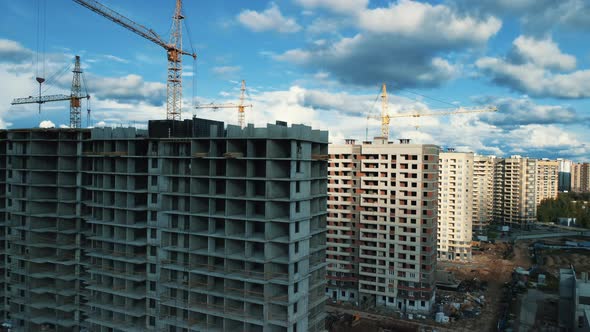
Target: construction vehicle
173,49
240,106
386,118
75,97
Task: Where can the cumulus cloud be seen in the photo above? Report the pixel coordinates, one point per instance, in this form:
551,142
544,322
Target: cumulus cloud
397,44
537,17
516,112
538,68
46,124
270,19
13,52
129,88
542,52
337,6
418,21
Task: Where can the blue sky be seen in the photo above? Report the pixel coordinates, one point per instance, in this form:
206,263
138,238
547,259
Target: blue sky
321,62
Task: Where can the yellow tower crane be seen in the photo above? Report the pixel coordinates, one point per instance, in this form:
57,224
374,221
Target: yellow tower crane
173,49
241,107
386,118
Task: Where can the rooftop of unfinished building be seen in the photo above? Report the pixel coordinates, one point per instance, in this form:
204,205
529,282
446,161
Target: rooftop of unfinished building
196,128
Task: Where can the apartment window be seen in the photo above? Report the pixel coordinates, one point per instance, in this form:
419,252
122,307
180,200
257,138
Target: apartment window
295,288
152,268
297,207
297,227
153,234
295,308
153,216
154,198
152,251
152,321
296,268
154,163
152,304
154,180
297,187
152,286
296,247
298,166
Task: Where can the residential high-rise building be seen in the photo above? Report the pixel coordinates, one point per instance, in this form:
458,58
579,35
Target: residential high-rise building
483,191
382,224
186,226
47,228
547,180
515,185
580,177
565,174
455,205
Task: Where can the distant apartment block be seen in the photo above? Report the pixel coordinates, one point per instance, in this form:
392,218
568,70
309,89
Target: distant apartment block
580,181
382,224
547,180
187,226
565,174
483,191
515,185
455,205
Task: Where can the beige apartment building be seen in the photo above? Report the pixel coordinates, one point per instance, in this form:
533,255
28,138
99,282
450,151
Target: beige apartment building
455,205
381,241
547,179
515,185
483,191
580,177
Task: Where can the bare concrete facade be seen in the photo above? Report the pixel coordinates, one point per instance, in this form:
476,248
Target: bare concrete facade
47,232
188,226
382,224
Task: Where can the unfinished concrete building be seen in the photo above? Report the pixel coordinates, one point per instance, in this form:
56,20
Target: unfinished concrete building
188,226
4,285
455,205
47,232
382,224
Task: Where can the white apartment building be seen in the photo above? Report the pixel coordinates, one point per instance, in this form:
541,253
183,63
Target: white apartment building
455,205
381,247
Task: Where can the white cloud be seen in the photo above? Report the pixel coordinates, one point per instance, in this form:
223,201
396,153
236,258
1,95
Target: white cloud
531,68
337,6
407,42
46,124
418,21
270,19
129,88
543,53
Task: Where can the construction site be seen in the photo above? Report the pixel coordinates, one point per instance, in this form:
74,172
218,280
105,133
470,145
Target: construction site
188,225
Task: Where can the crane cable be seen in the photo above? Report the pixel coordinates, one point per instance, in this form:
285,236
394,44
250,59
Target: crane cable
41,38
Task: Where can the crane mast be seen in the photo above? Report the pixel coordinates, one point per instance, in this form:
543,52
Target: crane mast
386,118
241,106
173,47
75,97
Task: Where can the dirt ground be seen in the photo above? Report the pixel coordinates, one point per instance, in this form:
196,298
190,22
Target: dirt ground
555,260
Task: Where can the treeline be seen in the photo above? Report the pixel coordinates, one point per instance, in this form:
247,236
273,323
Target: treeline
566,205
